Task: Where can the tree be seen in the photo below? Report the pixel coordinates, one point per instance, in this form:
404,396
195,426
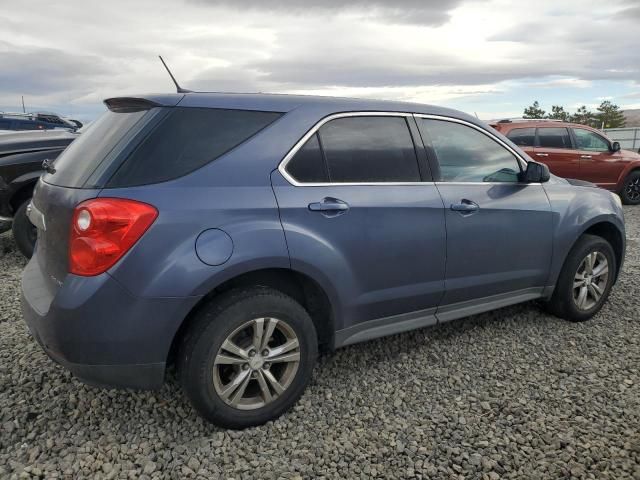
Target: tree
534,111
558,113
610,115
583,116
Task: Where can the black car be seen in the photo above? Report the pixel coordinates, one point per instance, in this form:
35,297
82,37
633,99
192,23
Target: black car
21,157
36,121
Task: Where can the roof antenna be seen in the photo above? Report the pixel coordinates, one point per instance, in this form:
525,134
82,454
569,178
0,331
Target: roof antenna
178,87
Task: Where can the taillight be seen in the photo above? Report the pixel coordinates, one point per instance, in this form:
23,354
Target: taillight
103,230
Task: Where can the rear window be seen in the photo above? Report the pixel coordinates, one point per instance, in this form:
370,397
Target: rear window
86,153
187,139
183,140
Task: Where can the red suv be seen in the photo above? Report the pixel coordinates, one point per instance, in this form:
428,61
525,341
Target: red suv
577,151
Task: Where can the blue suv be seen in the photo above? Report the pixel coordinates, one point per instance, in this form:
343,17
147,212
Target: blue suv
237,235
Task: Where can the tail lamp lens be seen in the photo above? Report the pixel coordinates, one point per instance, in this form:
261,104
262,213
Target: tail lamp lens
103,230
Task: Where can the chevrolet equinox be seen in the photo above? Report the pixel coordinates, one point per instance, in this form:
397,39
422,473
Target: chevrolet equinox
236,235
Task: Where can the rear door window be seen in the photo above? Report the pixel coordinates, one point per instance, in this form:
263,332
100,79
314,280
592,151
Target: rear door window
186,140
307,165
375,149
523,137
554,138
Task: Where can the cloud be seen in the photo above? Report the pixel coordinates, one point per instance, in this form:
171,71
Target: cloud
467,50
422,12
31,70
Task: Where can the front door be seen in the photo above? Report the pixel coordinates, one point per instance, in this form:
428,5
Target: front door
598,164
554,148
356,212
499,231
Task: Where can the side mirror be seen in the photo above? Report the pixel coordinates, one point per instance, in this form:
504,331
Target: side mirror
536,173
615,147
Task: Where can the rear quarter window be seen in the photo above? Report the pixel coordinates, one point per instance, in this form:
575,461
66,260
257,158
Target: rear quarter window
187,139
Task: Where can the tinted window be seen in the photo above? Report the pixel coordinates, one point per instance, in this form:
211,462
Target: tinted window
587,140
83,156
307,166
467,155
186,140
369,149
523,137
554,138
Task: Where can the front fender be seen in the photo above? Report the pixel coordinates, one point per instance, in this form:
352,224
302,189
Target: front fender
576,210
635,165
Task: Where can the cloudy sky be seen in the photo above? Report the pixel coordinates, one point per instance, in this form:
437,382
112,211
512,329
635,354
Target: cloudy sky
491,57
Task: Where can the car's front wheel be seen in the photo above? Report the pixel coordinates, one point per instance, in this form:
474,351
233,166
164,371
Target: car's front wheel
24,233
585,280
248,357
630,193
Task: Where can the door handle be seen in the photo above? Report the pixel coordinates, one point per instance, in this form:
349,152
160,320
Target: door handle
588,157
465,206
542,154
329,206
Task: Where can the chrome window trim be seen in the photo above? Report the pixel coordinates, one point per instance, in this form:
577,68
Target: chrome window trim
283,164
287,158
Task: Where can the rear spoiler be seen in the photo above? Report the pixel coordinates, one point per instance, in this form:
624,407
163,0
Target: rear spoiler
129,104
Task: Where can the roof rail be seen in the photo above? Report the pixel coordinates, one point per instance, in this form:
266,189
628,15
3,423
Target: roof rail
519,119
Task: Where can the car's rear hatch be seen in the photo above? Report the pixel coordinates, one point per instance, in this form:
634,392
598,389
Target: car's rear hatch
79,174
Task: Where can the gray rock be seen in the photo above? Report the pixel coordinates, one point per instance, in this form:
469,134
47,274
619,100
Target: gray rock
485,397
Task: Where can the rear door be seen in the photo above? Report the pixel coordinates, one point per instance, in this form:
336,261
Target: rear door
598,164
555,148
359,210
499,233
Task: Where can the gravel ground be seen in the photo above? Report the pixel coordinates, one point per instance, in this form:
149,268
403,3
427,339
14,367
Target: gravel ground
511,394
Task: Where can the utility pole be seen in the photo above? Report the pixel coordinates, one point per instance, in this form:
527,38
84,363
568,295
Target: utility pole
23,110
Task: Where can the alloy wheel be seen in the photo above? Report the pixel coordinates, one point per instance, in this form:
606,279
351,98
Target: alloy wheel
632,189
256,363
590,280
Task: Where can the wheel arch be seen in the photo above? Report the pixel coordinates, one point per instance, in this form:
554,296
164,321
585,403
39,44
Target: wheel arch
612,234
300,286
23,192
632,168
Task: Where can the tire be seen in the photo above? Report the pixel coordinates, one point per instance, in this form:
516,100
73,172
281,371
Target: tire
205,381
563,302
24,232
630,192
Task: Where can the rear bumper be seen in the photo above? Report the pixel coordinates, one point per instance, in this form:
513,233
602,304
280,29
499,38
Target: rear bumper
99,331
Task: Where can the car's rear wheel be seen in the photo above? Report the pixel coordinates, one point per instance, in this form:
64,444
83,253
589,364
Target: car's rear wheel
24,233
248,357
630,193
585,280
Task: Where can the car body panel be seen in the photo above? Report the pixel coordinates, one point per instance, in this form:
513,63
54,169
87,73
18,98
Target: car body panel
504,246
397,259
561,161
21,157
386,250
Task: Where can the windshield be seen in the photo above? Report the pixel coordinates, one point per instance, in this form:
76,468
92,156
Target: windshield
74,166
